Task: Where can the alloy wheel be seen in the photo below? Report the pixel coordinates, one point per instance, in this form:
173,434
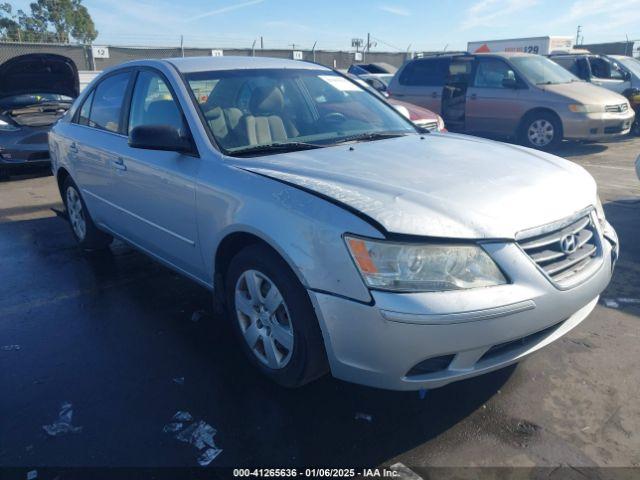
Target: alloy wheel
264,319
540,133
76,214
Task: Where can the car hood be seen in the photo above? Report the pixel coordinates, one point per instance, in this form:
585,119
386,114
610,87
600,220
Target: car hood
39,73
586,93
415,112
452,186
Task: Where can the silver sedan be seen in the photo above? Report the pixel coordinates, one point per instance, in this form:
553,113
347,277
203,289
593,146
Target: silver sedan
337,235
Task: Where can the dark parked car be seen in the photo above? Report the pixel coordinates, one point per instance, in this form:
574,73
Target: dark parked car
35,91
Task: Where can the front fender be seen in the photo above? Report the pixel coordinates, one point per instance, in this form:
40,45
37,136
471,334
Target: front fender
304,229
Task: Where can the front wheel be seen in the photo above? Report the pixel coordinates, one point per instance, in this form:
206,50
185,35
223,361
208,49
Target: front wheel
273,318
84,230
541,130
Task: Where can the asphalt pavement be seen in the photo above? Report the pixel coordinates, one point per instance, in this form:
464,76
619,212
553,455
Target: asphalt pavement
99,352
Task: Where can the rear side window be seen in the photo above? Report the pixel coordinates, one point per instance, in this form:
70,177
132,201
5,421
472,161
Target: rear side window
153,103
106,108
425,73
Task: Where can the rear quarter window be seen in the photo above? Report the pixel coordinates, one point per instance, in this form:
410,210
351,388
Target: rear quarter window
425,73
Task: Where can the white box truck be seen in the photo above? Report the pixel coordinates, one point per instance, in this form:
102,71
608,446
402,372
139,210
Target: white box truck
539,45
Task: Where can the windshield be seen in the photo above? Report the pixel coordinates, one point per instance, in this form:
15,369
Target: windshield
631,64
244,109
542,71
14,101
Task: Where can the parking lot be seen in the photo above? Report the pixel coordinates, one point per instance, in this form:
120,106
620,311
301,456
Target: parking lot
129,343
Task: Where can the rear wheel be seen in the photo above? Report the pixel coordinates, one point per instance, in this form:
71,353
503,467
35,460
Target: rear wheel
272,315
541,130
84,230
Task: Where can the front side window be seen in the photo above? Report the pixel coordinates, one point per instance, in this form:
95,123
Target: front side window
153,104
248,108
603,68
541,71
491,73
106,108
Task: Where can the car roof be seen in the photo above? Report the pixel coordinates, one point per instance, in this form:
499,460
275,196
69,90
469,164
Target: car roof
205,64
505,54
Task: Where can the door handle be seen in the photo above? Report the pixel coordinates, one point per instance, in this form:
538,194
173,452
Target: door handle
473,96
118,164
73,147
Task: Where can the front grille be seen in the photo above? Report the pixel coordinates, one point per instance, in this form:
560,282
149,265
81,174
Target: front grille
38,156
620,108
564,251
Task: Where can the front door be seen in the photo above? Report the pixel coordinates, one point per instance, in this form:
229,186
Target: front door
156,189
608,74
493,102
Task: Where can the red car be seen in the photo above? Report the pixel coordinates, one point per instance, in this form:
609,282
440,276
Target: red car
418,115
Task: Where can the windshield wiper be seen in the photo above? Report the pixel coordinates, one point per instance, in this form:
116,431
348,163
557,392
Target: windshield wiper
368,137
280,147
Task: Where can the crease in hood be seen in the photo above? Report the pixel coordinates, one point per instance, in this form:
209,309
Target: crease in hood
446,185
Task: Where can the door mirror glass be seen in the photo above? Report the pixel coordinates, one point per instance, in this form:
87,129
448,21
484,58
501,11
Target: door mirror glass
159,137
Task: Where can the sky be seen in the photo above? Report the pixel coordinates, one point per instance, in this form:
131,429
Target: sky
394,25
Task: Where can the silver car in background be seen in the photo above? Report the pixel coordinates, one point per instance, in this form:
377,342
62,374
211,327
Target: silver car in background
515,95
337,236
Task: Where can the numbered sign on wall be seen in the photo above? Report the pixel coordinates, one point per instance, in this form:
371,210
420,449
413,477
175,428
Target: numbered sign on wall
357,56
297,55
99,52
217,53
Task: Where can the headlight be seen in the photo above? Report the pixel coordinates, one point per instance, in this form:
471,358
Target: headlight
580,108
412,267
7,127
600,210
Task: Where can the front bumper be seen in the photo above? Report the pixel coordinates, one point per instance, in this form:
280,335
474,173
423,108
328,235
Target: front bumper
31,155
480,330
596,126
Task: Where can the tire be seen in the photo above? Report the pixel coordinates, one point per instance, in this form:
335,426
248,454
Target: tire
286,346
84,230
4,173
541,130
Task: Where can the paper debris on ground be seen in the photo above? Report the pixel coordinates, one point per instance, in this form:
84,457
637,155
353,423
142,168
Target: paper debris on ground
7,348
179,380
197,315
199,434
402,472
64,422
364,416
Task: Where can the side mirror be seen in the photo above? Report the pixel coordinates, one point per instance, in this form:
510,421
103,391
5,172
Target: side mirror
159,137
510,83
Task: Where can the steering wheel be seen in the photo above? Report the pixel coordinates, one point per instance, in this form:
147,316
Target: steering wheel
334,117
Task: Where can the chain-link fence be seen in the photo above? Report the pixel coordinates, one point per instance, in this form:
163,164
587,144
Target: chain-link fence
86,57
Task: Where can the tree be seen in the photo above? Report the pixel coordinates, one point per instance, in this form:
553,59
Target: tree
49,20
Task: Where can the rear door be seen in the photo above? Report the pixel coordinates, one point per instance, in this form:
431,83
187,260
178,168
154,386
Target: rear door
421,81
155,189
494,104
97,141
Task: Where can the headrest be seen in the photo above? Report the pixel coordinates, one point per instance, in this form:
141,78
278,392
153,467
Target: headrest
266,100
